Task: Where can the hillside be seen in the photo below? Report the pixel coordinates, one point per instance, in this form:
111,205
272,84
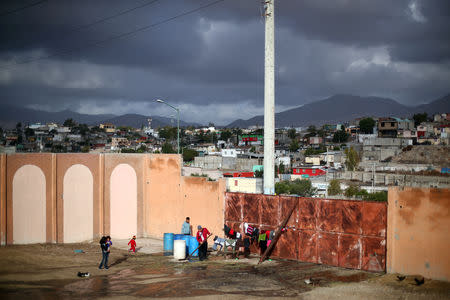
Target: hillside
341,108
10,115
136,121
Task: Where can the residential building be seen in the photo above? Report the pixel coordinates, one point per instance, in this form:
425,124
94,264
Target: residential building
229,153
387,127
108,127
404,124
306,172
315,140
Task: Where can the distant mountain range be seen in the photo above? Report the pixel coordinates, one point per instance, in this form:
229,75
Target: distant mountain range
342,108
10,115
335,109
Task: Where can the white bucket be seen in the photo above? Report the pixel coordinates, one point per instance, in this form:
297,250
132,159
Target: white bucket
179,249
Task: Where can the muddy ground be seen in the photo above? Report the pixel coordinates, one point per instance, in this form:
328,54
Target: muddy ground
50,272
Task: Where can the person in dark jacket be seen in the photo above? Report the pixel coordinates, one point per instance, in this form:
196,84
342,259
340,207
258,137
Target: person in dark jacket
202,238
105,246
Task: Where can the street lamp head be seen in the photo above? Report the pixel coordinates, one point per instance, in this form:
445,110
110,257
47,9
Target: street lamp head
159,100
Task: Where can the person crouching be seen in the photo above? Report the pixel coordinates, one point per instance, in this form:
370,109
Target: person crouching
202,238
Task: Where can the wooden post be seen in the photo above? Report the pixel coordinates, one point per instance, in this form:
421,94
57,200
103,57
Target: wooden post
277,234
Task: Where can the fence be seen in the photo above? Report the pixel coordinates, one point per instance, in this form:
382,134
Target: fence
345,233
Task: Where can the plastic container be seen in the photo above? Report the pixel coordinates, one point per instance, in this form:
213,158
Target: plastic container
178,237
186,238
168,243
193,245
179,249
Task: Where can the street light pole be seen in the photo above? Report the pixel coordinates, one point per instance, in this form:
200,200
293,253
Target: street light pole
178,121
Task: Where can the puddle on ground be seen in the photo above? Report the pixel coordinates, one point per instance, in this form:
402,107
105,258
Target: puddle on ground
167,279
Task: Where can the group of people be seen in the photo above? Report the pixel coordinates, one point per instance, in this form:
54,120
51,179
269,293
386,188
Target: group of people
105,246
202,237
239,241
262,238
233,239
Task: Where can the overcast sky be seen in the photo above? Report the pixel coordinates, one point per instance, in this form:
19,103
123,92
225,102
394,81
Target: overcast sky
211,63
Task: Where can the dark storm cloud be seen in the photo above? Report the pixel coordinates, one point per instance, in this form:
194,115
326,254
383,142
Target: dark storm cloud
213,60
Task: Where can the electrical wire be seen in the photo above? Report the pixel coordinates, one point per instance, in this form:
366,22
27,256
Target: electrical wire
85,26
115,37
21,8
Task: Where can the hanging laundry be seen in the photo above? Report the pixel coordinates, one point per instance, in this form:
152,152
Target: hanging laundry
248,230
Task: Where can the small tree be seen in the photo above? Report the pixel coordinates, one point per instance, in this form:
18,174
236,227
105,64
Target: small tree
282,187
167,148
29,132
292,133
302,188
294,146
259,173
334,188
352,160
420,118
312,130
69,123
351,191
225,135
340,136
366,125
142,149
189,154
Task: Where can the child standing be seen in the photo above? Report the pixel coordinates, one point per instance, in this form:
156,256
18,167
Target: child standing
105,243
132,244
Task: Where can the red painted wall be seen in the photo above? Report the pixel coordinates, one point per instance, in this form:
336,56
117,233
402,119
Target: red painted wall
308,171
345,233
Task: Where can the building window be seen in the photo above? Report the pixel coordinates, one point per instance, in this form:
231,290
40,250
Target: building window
392,124
382,124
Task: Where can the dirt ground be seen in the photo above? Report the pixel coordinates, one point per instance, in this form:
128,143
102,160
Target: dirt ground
419,154
50,272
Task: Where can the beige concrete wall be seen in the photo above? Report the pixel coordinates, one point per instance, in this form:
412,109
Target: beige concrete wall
78,204
29,206
2,199
88,195
123,204
171,198
418,239
137,163
46,162
95,164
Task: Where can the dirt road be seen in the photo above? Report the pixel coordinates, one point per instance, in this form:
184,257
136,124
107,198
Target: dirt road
50,272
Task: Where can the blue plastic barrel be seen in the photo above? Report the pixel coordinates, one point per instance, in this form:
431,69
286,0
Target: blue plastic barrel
178,236
168,243
193,244
186,238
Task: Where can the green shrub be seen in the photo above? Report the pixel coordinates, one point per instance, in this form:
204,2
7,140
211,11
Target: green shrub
351,191
334,188
298,187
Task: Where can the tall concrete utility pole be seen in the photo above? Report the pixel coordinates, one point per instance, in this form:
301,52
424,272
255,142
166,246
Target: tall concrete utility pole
269,98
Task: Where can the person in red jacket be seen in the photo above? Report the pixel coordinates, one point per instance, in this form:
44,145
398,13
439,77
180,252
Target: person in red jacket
132,244
202,238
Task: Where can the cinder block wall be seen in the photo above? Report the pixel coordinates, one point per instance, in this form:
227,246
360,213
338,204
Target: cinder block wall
418,239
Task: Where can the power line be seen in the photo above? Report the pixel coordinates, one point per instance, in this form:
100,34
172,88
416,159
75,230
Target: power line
85,26
22,8
66,34
119,36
